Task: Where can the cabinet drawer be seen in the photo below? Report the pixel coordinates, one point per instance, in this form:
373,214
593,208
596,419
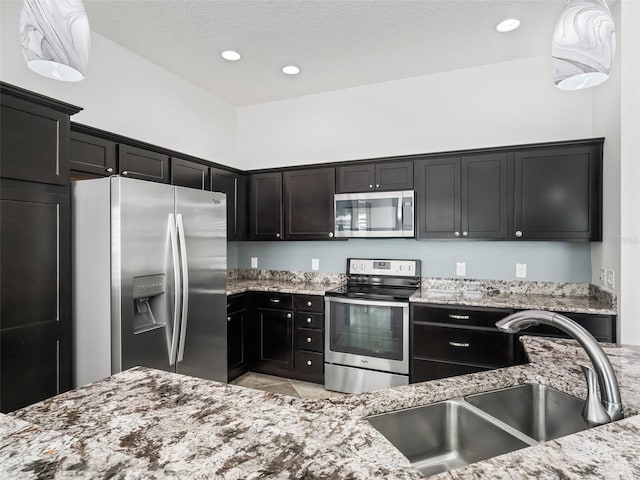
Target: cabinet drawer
309,303
459,316
310,320
426,370
463,345
236,303
278,301
309,363
310,339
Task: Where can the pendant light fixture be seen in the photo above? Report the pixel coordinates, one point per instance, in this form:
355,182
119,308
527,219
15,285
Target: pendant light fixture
55,38
584,45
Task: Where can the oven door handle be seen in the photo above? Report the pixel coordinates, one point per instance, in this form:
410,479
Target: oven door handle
373,303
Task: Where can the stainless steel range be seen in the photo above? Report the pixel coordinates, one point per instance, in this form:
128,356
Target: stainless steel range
367,325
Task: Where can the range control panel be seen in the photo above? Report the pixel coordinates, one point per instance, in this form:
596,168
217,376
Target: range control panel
396,268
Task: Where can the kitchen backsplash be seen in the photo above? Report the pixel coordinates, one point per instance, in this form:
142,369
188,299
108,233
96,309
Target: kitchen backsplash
546,261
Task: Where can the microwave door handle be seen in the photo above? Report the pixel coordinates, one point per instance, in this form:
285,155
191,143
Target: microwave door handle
177,288
400,223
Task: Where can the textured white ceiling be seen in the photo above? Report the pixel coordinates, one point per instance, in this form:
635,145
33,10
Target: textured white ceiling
337,43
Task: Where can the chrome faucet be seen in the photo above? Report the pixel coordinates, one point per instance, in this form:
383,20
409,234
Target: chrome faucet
596,411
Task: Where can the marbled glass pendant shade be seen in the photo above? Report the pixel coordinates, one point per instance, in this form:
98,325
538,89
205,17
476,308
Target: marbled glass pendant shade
55,38
584,45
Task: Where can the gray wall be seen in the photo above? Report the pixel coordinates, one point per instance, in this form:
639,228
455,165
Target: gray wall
546,261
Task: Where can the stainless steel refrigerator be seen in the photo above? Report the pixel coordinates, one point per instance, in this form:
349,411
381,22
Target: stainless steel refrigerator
149,279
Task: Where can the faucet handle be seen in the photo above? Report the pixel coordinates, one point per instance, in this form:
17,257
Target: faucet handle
593,412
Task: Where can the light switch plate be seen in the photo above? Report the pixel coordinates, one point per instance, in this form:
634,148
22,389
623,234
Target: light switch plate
461,269
254,262
315,264
603,276
521,270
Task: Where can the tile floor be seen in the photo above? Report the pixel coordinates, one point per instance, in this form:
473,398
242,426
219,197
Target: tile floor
283,386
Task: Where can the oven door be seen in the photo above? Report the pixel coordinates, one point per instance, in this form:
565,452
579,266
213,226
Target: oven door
368,334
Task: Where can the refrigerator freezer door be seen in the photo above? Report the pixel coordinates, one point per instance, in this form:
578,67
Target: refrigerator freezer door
203,348
143,274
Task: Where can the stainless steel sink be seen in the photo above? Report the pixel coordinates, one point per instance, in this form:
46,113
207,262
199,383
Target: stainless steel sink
443,436
447,435
540,412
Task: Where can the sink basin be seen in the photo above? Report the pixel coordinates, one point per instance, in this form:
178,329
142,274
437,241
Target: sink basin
540,412
443,436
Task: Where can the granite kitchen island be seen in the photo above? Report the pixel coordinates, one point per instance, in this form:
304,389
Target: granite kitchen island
144,423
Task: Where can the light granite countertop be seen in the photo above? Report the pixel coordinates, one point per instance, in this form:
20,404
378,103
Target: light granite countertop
523,301
144,423
281,286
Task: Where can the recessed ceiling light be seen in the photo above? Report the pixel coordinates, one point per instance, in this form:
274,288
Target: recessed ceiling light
290,70
231,55
508,25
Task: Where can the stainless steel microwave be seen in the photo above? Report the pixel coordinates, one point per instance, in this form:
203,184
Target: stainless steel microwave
374,214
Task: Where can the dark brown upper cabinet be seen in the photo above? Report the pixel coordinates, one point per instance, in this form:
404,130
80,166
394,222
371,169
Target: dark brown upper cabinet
308,204
234,185
558,193
185,173
365,177
438,201
266,206
34,136
143,164
91,154
463,196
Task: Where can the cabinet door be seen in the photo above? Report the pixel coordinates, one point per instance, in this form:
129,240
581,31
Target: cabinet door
356,178
558,193
484,196
438,204
142,164
234,186
394,176
276,338
34,142
265,209
94,155
309,204
427,370
236,344
35,296
189,174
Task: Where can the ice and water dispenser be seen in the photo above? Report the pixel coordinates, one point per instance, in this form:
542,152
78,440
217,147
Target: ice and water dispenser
149,303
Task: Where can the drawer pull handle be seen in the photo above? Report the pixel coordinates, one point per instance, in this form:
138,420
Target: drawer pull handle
309,320
309,303
274,300
309,362
459,344
458,317
288,315
125,173
228,319
308,339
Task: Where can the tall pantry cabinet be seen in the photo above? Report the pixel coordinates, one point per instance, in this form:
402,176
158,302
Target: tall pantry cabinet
35,258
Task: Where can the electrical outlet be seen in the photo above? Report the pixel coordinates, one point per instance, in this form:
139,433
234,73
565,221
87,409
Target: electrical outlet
603,276
611,278
315,264
461,269
254,262
521,270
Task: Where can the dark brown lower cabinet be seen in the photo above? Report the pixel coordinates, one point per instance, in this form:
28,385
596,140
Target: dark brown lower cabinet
35,262
238,337
448,340
276,342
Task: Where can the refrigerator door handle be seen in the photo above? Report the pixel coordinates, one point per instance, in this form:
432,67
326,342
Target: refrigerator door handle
176,275
185,286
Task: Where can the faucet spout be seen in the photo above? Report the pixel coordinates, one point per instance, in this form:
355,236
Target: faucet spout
609,390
